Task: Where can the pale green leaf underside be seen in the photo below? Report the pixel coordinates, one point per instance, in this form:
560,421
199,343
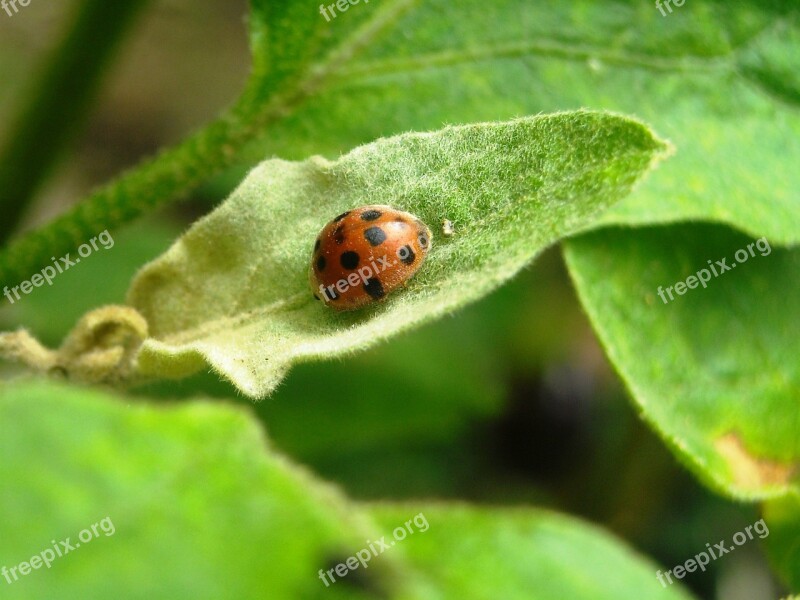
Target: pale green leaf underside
233,290
715,370
202,508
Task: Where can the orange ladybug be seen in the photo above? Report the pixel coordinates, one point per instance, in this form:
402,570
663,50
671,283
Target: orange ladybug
364,254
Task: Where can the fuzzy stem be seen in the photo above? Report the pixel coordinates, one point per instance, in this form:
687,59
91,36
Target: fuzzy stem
174,173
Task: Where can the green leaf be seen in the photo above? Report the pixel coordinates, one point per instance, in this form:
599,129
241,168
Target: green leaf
715,370
188,501
783,542
719,79
295,57
233,291
715,77
198,505
435,383
519,554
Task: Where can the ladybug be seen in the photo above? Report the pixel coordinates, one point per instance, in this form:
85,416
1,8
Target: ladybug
364,254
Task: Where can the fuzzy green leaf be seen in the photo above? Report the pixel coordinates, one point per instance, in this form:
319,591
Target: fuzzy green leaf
233,291
715,370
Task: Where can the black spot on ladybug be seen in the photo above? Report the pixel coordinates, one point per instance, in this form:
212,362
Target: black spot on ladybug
374,288
375,236
338,235
406,255
349,259
422,236
371,215
350,240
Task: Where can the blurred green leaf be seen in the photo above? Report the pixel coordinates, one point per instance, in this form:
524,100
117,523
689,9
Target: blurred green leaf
716,370
520,554
200,507
783,542
416,399
192,503
233,291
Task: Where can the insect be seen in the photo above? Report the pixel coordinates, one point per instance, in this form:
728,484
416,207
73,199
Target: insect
366,253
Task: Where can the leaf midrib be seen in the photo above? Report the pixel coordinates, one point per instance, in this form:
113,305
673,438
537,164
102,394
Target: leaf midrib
547,48
552,48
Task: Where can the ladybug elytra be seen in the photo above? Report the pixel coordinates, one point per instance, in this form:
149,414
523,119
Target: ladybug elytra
364,254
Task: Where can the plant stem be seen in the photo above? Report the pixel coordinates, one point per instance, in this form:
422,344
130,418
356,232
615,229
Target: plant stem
162,179
134,193
61,98
174,173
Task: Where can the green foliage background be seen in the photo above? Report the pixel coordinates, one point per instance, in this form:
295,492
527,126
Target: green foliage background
507,402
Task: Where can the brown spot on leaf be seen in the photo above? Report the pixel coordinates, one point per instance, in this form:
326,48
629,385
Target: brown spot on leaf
751,472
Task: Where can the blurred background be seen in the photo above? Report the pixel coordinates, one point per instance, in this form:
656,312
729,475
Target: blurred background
510,401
